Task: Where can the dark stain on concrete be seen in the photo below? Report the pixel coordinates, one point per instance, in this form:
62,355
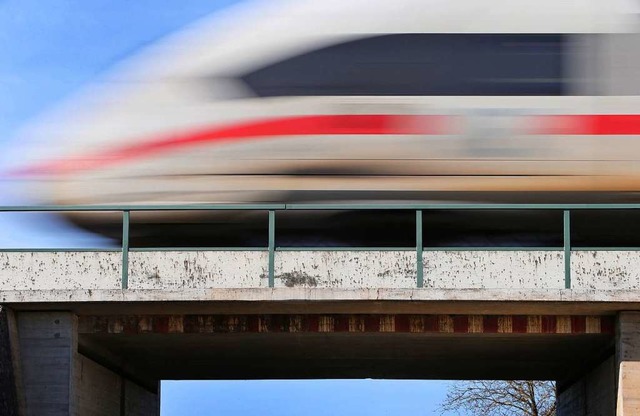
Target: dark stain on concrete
296,278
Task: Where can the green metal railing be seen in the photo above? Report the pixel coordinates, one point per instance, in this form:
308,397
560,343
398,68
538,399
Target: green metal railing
273,208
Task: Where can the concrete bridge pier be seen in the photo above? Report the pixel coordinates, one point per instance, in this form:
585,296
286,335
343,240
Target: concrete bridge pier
592,393
53,378
610,386
628,358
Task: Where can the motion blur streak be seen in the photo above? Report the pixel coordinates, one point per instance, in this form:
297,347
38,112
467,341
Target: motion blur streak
360,100
610,124
342,124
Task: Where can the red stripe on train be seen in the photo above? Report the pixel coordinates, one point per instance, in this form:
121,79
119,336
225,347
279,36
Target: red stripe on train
342,124
375,124
584,124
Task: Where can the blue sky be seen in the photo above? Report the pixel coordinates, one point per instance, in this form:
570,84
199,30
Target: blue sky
50,49
303,397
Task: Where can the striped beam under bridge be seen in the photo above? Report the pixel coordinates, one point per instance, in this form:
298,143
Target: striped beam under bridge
356,323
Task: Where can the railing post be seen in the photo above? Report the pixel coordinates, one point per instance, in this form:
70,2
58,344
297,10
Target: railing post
420,266
125,249
272,247
567,248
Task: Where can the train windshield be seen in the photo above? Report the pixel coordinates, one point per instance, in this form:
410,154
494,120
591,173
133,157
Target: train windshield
421,64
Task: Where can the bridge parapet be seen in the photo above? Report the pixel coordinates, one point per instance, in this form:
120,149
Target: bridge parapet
175,270
516,269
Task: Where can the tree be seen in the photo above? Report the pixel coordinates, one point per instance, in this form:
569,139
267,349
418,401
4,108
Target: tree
501,398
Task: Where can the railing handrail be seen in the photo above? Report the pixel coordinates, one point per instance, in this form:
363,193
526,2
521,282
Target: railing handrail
314,206
126,210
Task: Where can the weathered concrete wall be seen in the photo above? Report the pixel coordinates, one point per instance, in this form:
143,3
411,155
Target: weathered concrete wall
101,392
140,402
97,390
57,380
628,355
60,270
494,269
47,341
442,269
609,270
346,269
592,395
184,270
197,269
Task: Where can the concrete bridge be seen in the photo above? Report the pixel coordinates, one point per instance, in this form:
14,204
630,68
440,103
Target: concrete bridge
93,332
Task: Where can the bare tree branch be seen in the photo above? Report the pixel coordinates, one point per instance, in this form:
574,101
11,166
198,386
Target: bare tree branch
501,398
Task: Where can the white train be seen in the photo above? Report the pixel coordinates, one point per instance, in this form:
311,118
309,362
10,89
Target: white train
362,100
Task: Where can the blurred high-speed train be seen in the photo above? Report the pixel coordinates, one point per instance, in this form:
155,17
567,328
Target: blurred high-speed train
362,100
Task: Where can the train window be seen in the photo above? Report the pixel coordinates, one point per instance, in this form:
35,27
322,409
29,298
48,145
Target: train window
421,64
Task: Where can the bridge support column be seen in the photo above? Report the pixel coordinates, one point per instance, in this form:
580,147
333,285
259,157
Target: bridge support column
612,387
55,379
593,394
10,404
628,355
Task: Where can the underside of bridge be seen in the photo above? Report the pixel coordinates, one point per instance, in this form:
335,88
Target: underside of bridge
397,356
67,362
343,346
